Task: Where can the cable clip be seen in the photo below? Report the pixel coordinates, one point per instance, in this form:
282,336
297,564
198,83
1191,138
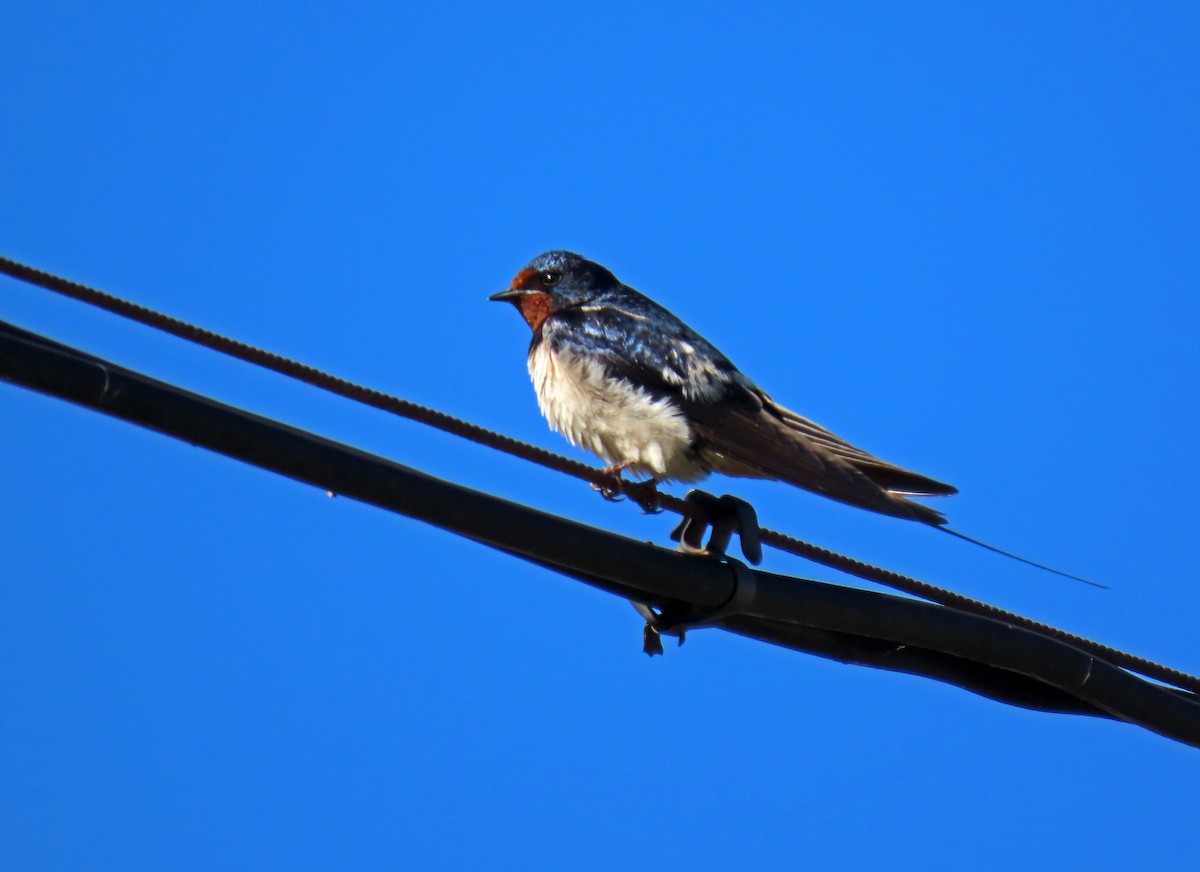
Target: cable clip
676,620
724,514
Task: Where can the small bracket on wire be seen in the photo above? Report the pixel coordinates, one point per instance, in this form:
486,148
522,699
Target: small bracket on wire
676,620
724,515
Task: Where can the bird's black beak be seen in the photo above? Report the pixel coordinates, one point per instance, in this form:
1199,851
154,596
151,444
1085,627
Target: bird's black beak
511,295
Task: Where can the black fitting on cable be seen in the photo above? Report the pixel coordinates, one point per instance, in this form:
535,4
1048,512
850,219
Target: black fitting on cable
677,619
725,515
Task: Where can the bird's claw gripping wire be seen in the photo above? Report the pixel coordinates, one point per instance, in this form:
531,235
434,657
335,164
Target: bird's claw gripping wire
676,619
725,515
614,489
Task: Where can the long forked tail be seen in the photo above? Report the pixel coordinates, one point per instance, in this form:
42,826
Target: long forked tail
1020,559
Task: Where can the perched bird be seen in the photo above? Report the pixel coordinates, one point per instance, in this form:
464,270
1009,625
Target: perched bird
621,376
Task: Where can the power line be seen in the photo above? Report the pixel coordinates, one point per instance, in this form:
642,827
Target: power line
598,477
989,657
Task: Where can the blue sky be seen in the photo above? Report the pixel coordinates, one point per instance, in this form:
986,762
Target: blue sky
962,235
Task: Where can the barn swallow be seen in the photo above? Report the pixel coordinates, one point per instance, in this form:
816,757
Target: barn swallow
621,376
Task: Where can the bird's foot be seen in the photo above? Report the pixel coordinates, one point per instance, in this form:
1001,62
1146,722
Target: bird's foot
614,488
725,515
646,495
609,482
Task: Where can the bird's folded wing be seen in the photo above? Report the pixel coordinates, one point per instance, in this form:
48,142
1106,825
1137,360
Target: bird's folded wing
758,435
888,476
664,357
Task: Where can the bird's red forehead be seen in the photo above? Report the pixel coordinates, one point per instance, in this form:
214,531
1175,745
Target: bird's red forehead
521,280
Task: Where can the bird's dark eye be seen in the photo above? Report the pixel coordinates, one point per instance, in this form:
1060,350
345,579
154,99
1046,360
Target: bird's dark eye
550,278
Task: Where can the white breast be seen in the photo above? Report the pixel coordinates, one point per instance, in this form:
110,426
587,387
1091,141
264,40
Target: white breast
611,417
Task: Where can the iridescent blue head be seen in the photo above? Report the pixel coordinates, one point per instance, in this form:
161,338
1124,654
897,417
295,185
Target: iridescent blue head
553,281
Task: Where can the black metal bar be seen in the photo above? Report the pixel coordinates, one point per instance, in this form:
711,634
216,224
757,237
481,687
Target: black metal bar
884,631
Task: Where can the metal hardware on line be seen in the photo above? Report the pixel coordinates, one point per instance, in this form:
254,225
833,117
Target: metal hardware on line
674,621
725,515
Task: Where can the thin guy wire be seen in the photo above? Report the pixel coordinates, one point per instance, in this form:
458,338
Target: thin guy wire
599,477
